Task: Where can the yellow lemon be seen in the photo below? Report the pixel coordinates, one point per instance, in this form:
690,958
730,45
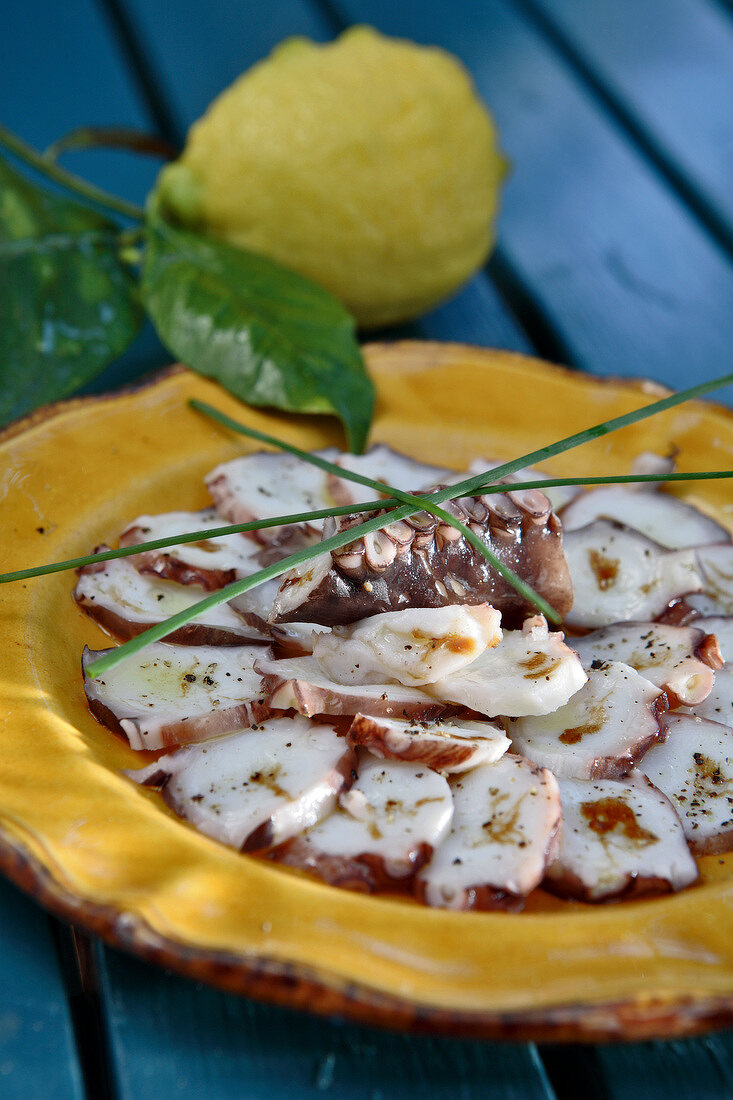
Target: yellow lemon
369,165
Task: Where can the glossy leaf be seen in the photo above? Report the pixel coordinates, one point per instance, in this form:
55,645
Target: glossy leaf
267,335
67,302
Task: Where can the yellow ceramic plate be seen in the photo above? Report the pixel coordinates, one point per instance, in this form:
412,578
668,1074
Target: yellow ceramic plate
108,854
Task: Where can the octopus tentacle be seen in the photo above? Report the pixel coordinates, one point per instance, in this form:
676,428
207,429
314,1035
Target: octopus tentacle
424,562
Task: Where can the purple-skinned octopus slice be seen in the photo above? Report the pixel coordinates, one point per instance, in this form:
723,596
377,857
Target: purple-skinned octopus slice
679,659
413,647
620,838
125,602
267,484
210,563
505,832
383,830
619,575
694,768
299,683
390,467
663,518
602,732
558,495
449,746
716,565
258,787
530,671
170,695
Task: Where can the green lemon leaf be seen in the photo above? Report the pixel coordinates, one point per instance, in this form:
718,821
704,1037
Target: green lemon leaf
267,335
67,302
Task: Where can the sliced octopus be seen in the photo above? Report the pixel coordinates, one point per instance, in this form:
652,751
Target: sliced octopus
505,831
694,768
716,566
398,784
299,683
722,627
603,730
259,787
384,829
125,602
423,562
619,574
663,518
558,495
412,647
383,464
448,746
266,484
620,838
531,671
679,659
718,706
210,563
171,695
255,606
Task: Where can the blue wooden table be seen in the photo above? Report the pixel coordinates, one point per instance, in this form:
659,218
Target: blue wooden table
614,256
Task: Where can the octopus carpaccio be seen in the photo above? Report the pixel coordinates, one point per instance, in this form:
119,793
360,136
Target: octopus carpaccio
393,717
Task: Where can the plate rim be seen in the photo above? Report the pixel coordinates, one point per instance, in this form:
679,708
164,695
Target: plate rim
295,986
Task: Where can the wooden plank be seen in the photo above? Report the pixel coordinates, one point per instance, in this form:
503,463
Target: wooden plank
61,69
666,68
626,278
196,54
477,315
169,1037
37,1050
699,1068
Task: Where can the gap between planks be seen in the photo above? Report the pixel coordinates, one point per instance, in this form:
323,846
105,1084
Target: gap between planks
133,51
79,969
